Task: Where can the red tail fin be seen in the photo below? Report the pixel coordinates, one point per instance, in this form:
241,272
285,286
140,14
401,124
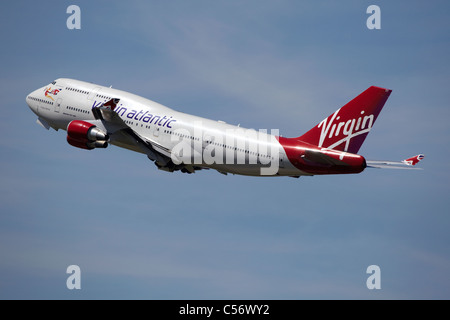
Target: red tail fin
346,129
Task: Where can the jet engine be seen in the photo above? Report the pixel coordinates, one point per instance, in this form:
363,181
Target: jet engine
85,135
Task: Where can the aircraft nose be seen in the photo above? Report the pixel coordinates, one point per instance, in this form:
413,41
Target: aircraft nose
32,102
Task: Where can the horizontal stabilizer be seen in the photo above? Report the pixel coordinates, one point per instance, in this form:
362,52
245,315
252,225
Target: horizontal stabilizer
405,164
390,166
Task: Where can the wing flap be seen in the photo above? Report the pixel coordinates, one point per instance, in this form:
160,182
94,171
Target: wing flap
114,125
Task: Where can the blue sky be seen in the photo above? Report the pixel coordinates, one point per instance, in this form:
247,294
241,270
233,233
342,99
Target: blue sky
140,233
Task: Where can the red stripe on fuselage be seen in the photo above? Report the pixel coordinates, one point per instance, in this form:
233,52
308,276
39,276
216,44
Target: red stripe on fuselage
299,154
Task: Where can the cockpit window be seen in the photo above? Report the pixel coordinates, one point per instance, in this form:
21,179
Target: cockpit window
54,82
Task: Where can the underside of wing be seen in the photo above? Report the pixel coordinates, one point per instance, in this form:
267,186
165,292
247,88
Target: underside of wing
119,130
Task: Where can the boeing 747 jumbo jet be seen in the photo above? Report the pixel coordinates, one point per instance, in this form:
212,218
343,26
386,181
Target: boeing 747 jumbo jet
95,116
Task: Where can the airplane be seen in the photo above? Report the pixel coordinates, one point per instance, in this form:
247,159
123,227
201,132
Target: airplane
96,116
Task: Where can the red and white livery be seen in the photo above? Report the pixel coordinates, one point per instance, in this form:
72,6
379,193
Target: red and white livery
96,116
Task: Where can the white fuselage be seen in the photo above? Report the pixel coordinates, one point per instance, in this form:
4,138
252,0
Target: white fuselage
207,143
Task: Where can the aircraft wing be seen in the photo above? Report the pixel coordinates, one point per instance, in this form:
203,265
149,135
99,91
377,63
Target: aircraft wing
115,126
119,130
405,164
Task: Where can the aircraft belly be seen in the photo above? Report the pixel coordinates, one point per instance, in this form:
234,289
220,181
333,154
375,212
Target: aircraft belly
255,170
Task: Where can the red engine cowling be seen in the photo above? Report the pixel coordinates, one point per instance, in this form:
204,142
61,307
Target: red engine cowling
85,135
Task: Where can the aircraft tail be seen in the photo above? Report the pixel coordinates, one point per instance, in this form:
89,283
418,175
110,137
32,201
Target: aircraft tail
347,128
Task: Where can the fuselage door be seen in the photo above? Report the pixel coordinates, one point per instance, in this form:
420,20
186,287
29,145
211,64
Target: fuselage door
58,105
156,131
93,93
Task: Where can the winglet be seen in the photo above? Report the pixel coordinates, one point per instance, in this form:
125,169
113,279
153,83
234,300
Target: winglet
413,160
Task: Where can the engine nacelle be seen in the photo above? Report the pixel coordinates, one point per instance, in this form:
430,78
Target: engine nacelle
78,143
84,130
85,135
